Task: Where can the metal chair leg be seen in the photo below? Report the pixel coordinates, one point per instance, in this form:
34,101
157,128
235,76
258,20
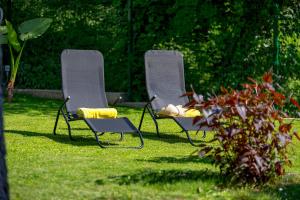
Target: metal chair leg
98,141
141,140
68,124
121,136
156,126
142,118
153,118
69,130
155,121
56,121
204,135
60,110
190,139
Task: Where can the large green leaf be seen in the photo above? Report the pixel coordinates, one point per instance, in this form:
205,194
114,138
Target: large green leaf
34,28
12,36
3,39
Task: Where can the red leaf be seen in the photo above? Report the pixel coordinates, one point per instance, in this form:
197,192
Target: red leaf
285,128
231,101
278,97
246,86
296,134
276,116
196,119
293,101
279,169
187,94
252,80
267,77
224,90
190,104
242,112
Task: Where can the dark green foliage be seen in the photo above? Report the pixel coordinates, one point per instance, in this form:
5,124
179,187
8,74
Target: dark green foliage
76,24
223,42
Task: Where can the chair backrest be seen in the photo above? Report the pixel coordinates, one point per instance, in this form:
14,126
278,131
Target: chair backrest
83,79
165,78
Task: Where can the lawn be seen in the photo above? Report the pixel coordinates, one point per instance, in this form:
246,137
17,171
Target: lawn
44,166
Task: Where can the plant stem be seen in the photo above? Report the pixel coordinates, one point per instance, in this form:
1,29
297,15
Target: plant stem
14,69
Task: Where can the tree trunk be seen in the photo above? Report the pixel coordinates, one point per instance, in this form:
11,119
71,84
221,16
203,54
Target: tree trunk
10,91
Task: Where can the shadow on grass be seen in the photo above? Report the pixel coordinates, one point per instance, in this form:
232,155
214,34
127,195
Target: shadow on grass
288,187
163,177
289,191
178,160
77,129
169,138
78,140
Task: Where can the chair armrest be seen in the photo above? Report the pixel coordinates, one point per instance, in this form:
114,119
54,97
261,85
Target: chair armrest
149,102
65,101
155,96
189,96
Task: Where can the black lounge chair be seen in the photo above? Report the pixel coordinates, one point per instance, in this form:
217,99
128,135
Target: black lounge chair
165,85
83,86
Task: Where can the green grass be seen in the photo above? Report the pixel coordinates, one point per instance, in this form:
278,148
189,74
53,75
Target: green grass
43,166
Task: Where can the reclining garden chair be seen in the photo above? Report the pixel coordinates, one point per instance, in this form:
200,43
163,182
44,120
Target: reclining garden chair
165,85
83,86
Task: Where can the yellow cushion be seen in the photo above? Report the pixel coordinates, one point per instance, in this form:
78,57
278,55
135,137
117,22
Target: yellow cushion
192,113
97,113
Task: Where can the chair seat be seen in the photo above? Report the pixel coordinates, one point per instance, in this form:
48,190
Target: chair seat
111,125
187,124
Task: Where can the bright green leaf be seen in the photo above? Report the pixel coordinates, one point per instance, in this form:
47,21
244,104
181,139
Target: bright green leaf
34,28
12,36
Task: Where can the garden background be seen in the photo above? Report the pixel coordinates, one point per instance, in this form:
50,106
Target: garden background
223,42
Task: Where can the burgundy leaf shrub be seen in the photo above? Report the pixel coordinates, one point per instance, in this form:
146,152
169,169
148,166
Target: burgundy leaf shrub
251,136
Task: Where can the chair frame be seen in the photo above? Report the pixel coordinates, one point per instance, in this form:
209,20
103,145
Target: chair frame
156,117
152,84
70,116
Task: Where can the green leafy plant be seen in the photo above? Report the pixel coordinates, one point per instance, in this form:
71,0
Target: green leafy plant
251,135
28,30
222,45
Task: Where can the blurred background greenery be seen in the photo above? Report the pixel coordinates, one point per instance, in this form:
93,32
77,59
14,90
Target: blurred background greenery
223,41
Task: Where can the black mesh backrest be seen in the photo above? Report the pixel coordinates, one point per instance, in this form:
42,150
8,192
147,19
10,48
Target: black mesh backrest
165,78
83,79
